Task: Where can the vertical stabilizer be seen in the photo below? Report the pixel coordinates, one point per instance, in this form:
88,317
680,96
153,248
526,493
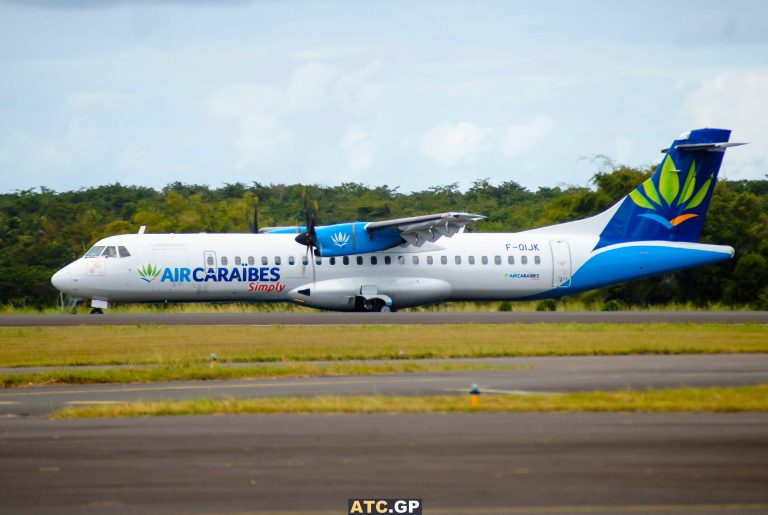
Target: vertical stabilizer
672,204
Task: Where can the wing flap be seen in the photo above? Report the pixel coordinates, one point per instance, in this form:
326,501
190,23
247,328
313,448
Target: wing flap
417,230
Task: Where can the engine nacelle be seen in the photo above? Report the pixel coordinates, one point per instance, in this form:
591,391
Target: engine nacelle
352,238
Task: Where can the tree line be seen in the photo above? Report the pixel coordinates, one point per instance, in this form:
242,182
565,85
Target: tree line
42,230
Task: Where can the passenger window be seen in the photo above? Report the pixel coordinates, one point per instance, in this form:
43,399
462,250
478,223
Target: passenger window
537,260
278,260
430,260
444,260
497,260
457,259
359,260
209,260
485,260
511,260
304,260
123,252
109,252
345,260
387,260
471,260
94,252
332,261
224,261
318,261
291,260
401,260
237,260
251,260
264,260
374,260
524,260
415,260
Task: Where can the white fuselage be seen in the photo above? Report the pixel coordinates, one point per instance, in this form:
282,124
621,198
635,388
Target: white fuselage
273,267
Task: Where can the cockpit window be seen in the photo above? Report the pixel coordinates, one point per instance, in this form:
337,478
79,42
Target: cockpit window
123,251
95,251
109,252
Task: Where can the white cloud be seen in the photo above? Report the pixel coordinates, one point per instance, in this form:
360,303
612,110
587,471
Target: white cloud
736,101
359,148
310,87
265,113
451,144
519,138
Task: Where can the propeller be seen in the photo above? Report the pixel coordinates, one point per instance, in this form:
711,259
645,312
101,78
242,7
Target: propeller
253,226
309,237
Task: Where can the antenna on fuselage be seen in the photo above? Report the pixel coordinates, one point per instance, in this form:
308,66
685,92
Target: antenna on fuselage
142,229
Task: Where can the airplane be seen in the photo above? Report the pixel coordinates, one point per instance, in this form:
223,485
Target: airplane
393,264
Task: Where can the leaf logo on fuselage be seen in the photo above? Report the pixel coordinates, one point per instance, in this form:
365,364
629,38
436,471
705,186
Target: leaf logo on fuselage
340,239
149,273
670,195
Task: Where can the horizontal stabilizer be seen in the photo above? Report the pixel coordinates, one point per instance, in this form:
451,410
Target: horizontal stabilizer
710,147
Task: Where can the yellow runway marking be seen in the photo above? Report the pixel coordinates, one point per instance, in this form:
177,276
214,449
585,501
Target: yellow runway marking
94,402
7,403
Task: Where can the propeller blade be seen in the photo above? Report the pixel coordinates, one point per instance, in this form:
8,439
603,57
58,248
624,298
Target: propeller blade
253,226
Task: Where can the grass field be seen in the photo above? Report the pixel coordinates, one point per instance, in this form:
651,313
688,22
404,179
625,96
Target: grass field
205,373
729,399
185,346
583,302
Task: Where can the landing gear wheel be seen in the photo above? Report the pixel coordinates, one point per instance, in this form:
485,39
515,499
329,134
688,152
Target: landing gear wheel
96,311
384,309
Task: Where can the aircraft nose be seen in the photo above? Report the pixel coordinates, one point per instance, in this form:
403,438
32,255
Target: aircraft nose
63,280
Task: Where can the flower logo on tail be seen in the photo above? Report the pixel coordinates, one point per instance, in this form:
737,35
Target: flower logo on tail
670,193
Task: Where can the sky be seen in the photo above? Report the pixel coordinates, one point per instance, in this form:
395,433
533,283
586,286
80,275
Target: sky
400,93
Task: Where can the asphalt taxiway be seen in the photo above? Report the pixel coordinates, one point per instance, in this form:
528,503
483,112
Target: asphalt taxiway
424,317
458,464
537,374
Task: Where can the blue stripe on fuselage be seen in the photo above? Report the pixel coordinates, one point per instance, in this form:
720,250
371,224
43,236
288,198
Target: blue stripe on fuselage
626,263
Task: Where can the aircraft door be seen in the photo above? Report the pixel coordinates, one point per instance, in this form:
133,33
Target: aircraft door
561,263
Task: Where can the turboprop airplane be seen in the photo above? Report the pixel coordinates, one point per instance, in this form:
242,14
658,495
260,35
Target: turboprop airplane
393,264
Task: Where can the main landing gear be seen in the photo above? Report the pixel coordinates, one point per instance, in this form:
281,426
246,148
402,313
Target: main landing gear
372,305
97,311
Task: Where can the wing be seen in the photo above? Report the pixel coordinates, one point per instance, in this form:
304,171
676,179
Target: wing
418,230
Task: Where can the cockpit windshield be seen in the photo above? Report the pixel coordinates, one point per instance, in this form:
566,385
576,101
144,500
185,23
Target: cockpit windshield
107,251
95,251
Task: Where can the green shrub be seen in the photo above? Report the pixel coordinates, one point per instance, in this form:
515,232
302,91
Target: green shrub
547,305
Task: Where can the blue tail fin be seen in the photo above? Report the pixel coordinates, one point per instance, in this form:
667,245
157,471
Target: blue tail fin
672,204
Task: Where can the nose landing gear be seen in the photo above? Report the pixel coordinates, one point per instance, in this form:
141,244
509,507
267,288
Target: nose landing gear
98,305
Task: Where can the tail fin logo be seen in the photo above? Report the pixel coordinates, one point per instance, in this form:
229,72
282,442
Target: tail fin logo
671,195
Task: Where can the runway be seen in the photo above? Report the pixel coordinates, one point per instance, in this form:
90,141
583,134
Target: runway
469,463
540,374
458,464
425,317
